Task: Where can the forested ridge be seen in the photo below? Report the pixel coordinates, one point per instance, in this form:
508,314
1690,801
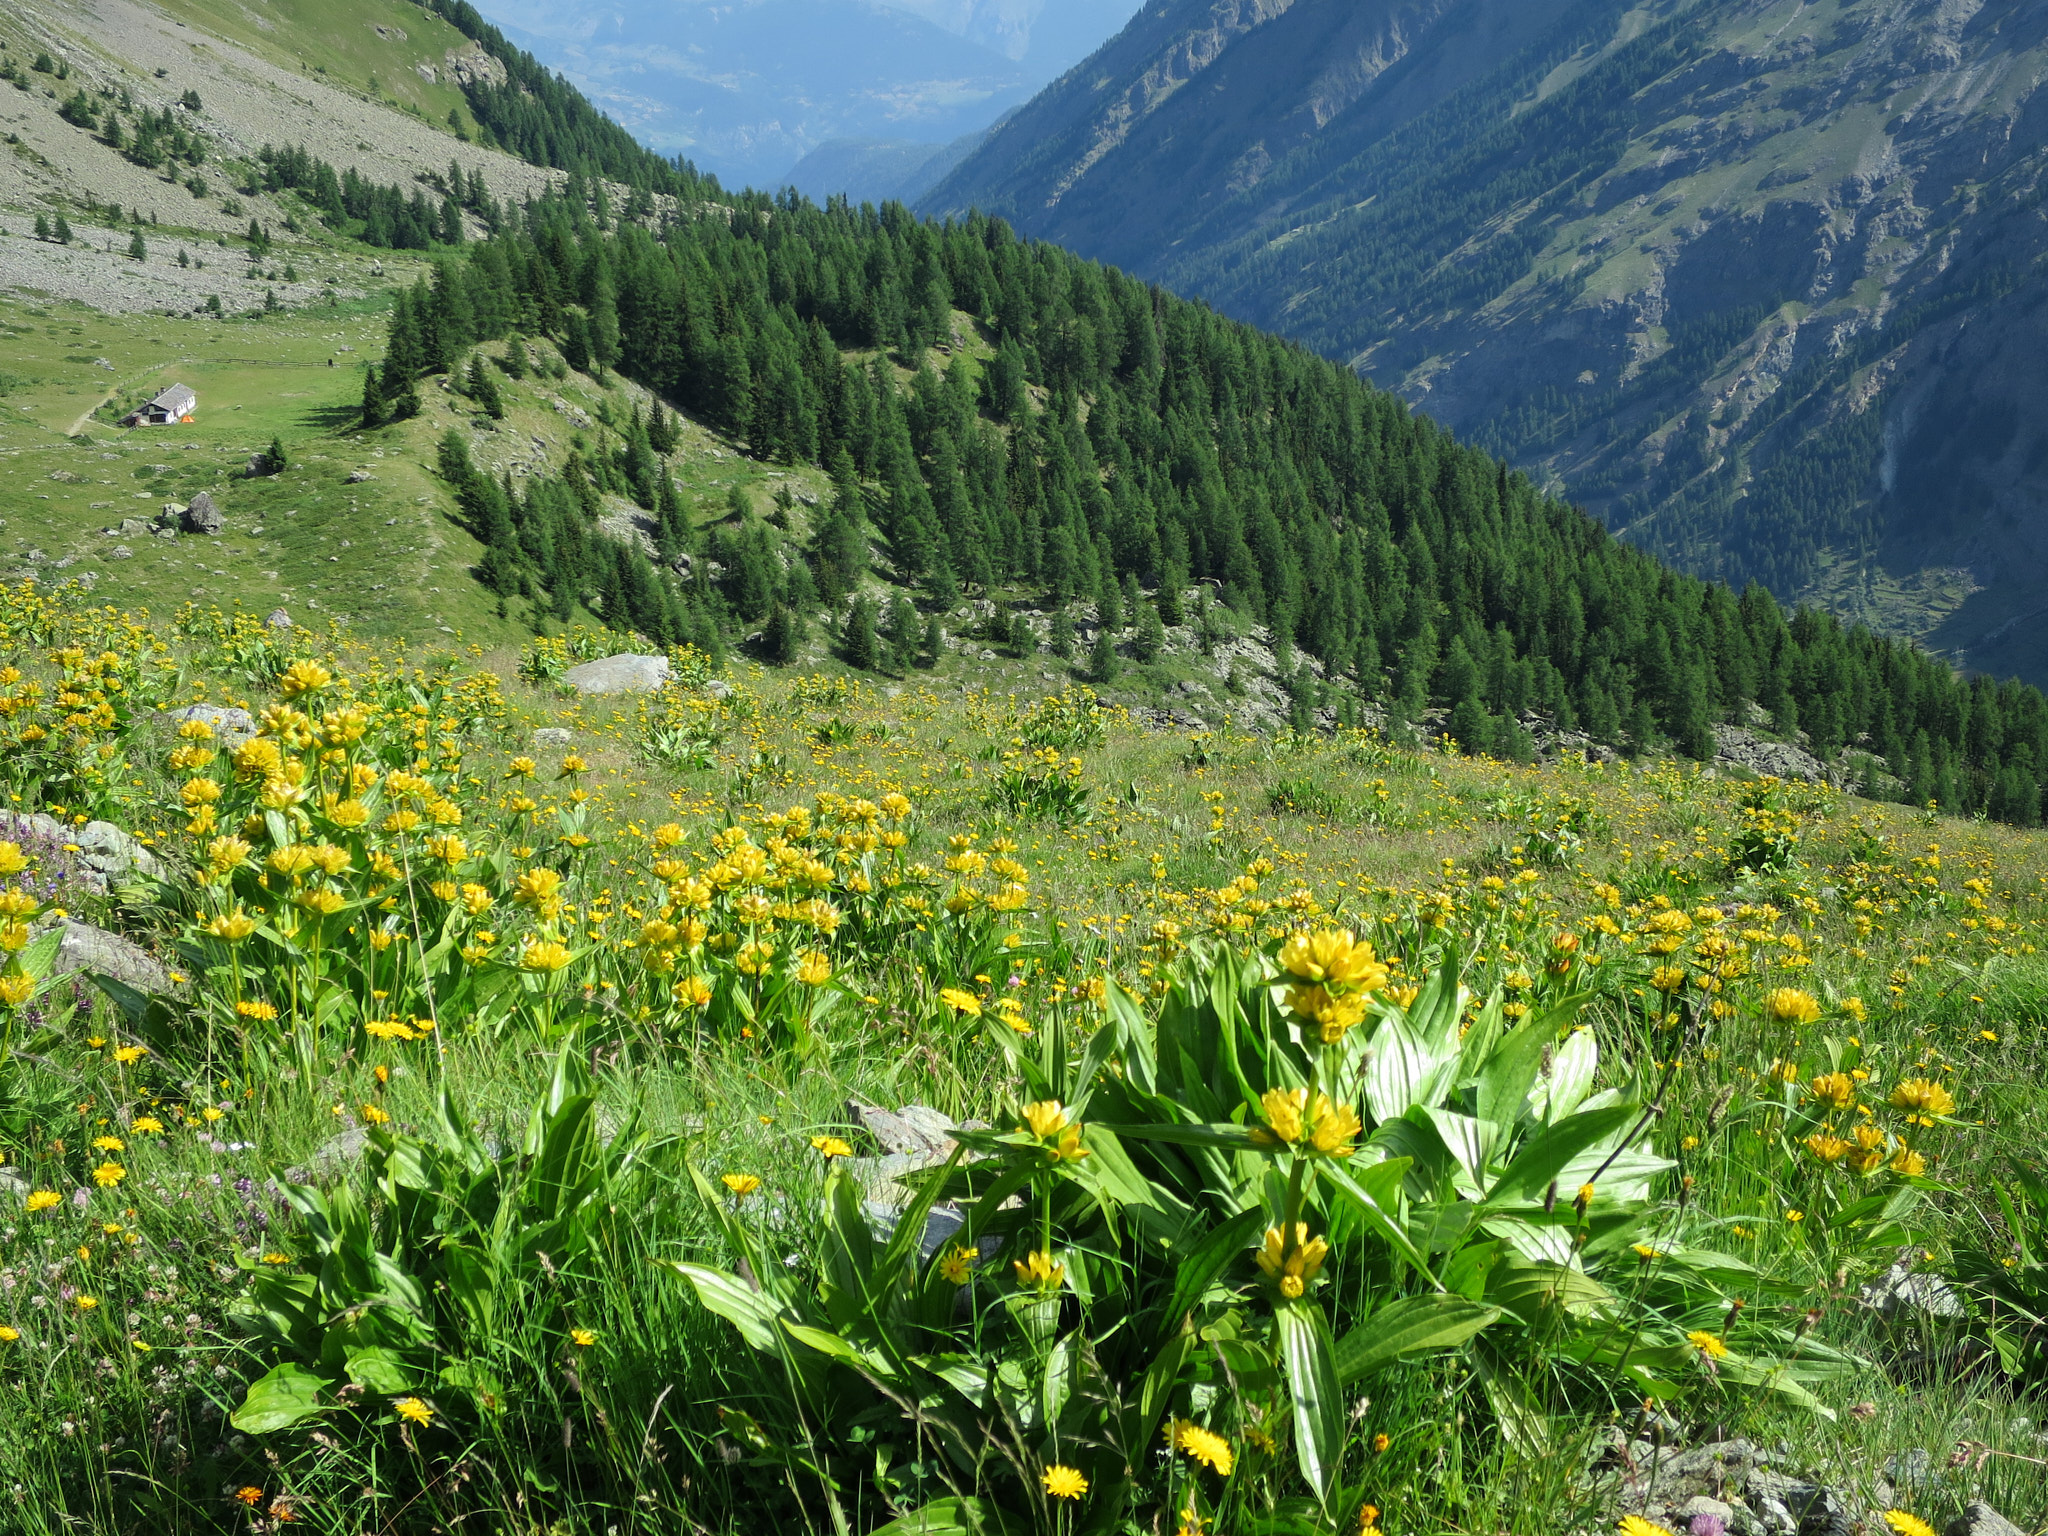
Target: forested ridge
539,116
1122,438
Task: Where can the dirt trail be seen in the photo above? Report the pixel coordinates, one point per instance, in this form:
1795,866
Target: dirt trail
85,415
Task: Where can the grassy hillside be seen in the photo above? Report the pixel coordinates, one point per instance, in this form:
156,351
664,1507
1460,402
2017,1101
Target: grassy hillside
455,1106
1727,946
382,48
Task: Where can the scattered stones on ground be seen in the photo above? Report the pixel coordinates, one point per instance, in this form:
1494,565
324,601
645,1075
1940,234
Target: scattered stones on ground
553,736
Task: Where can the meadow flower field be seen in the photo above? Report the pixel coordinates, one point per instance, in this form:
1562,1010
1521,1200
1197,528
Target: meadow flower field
1347,1136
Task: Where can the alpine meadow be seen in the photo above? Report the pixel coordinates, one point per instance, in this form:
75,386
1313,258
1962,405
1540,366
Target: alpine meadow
680,860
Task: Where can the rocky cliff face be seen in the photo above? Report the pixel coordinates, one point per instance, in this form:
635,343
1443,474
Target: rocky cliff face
1759,281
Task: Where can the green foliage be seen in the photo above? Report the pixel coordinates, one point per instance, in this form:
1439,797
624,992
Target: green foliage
1218,1220
1043,787
424,1280
2006,1281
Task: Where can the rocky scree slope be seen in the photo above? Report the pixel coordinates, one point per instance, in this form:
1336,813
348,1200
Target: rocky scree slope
1758,281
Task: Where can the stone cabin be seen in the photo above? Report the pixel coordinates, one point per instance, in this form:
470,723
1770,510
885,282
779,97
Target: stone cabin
172,406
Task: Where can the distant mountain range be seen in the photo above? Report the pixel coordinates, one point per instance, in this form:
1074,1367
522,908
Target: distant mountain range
748,90
1759,281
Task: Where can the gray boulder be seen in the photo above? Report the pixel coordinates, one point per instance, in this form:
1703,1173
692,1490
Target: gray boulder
941,1224
619,674
111,853
202,516
718,688
1900,1294
277,618
99,953
231,727
18,826
334,1156
553,736
915,1131
1980,1519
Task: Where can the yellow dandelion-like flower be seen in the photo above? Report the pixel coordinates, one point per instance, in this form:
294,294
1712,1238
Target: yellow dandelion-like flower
1708,1344
414,1410
830,1147
964,1003
1828,1149
1203,1445
1906,1524
582,1338
108,1174
43,1200
231,927
956,1265
1636,1525
1064,1482
741,1184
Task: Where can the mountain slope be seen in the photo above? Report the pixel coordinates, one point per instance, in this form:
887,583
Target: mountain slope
1757,280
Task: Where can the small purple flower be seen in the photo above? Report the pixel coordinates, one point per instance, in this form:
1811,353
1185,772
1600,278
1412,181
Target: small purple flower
1708,1525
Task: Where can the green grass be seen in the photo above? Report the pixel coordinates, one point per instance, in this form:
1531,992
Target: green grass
338,40
1373,837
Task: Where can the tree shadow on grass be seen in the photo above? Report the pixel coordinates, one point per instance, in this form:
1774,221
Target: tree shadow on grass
336,417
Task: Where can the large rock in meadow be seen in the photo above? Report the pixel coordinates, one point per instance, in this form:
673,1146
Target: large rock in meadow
99,953
111,853
619,674
202,516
